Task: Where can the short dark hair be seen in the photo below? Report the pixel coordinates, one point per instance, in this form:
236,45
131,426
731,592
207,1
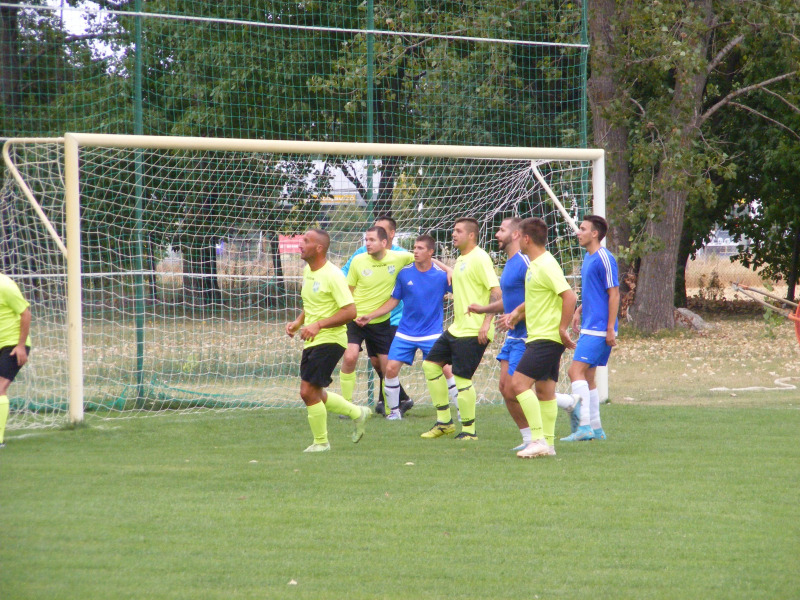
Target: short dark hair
382,235
599,224
515,221
325,238
474,226
427,240
389,220
536,229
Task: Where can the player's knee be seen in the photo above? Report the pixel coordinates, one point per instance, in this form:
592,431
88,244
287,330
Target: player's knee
463,384
431,370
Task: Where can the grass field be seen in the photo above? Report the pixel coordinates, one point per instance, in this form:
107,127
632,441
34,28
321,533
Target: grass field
693,496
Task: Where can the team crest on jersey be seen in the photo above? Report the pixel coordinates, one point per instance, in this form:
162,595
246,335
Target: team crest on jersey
315,287
366,272
390,269
462,267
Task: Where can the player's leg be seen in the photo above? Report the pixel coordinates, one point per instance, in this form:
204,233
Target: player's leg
452,388
546,394
392,385
439,355
527,372
594,405
590,351
509,357
347,373
467,355
8,372
404,398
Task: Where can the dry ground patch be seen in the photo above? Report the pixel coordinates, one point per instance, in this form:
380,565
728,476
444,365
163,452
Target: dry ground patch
684,367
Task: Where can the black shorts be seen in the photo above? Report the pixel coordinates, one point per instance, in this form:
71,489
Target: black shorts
464,353
541,360
378,336
8,364
318,362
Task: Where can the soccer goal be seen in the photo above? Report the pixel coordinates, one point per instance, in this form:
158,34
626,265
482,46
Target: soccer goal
162,270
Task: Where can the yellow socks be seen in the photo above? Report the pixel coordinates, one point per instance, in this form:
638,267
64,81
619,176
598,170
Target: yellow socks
549,411
318,421
533,414
347,382
3,416
437,386
466,403
336,404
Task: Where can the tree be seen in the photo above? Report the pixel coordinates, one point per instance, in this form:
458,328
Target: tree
666,78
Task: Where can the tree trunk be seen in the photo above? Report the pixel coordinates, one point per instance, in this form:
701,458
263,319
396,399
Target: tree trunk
792,279
604,88
654,307
684,250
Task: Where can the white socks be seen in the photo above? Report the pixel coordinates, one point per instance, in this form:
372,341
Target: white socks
594,406
581,389
391,388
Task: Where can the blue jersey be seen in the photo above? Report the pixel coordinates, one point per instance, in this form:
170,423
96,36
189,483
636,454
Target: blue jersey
512,284
422,294
397,312
598,275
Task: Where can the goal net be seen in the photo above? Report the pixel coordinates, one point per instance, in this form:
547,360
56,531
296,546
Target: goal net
161,271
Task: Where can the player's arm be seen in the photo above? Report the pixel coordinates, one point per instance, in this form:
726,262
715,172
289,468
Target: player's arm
345,314
613,309
568,302
493,308
576,319
293,326
383,309
24,330
495,297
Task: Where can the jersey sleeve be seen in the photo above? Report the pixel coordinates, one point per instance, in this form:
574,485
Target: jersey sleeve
340,290
558,282
14,299
610,269
487,274
352,274
397,292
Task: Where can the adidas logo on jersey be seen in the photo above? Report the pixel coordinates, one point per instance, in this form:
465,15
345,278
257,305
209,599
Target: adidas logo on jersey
410,283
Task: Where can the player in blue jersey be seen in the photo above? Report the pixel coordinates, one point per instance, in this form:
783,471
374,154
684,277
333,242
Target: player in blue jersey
596,319
512,284
348,381
421,287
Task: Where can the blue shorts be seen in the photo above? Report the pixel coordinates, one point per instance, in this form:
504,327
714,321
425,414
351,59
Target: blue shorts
512,351
404,350
592,350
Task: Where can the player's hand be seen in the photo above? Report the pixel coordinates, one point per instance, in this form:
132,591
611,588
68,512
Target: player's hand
611,338
362,320
21,353
501,324
565,339
483,335
291,328
576,323
475,308
309,332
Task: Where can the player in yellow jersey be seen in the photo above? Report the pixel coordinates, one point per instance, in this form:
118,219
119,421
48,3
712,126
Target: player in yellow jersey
547,310
371,278
327,307
15,341
465,341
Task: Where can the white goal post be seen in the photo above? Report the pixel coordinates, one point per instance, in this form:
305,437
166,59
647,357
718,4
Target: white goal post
519,181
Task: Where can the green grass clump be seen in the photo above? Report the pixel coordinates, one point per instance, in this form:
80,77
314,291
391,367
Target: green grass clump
680,502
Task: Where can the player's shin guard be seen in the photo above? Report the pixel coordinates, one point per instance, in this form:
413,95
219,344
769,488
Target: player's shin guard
466,403
336,404
437,387
347,383
392,389
549,410
533,414
3,416
318,421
